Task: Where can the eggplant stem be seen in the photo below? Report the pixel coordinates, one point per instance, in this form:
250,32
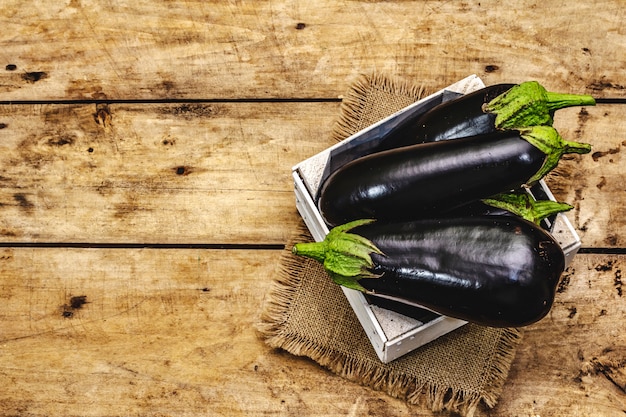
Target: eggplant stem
547,208
346,256
548,141
575,147
529,104
313,250
557,101
525,206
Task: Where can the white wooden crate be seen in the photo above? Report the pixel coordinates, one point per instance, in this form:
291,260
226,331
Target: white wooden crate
392,333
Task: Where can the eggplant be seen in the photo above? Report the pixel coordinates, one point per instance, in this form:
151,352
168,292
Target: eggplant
459,117
491,270
431,178
492,108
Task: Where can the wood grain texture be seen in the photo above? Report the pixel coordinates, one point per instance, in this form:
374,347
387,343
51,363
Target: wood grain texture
594,183
164,173
142,50
161,332
102,149
179,173
172,332
580,348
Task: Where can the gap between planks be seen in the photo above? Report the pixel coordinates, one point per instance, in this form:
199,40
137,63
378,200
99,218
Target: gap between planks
88,245
218,246
599,100
176,101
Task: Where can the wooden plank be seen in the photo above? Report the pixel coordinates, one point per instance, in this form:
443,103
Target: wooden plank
574,361
220,173
594,183
171,332
142,50
167,332
202,173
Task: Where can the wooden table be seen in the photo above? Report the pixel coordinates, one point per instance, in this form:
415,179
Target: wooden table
146,150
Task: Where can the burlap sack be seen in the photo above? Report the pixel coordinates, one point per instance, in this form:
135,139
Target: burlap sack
307,314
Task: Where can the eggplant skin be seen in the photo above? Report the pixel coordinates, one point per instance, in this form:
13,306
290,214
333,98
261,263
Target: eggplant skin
452,119
497,271
427,179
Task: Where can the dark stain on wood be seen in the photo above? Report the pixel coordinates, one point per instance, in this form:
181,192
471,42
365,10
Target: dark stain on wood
168,86
300,26
33,77
7,233
78,301
61,141
610,365
583,116
3,125
600,154
611,240
103,115
572,312
607,266
617,276
122,210
190,111
169,141
183,170
491,68
23,202
602,85
565,280
617,281
75,303
85,89
10,67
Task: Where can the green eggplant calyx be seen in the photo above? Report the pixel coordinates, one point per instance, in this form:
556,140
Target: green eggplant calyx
530,104
346,256
548,141
525,206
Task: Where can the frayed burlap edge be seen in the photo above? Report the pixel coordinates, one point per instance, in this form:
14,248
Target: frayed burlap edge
378,376
354,102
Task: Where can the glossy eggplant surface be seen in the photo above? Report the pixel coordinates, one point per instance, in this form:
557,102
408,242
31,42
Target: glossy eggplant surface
460,117
425,179
496,271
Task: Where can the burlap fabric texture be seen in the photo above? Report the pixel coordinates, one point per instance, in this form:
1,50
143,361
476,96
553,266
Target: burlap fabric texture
306,314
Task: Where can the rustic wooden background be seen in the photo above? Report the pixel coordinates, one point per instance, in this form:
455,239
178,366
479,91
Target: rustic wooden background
145,194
